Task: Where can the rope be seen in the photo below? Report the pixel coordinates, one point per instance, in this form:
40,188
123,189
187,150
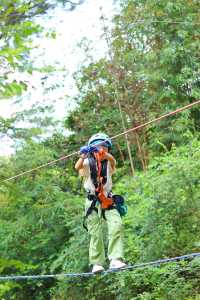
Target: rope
88,274
39,167
165,21
114,137
157,119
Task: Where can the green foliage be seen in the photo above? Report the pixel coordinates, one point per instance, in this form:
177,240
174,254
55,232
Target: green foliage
153,68
18,28
46,234
169,206
162,221
168,282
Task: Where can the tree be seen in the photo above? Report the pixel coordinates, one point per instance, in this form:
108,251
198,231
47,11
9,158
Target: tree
18,27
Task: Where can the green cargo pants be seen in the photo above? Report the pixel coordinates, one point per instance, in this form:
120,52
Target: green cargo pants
115,244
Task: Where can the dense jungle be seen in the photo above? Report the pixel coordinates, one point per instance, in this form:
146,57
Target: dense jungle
151,67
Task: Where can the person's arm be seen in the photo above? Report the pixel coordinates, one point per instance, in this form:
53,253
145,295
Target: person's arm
112,161
79,163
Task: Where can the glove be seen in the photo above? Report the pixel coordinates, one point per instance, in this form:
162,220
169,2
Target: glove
88,149
84,150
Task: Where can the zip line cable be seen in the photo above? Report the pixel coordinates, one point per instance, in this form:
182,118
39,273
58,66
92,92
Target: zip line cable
129,267
158,119
39,167
88,274
165,21
112,138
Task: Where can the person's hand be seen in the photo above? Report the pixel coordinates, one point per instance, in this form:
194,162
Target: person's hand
83,155
83,152
106,155
88,149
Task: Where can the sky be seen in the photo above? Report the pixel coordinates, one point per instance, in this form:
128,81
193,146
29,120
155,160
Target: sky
71,27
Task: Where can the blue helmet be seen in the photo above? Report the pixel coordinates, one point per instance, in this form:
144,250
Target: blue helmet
98,138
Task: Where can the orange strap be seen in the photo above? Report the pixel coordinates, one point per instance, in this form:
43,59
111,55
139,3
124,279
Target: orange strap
98,158
105,201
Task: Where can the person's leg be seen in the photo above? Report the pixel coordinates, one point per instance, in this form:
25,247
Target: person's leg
115,243
96,248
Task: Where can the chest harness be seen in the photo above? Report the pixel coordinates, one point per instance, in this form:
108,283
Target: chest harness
98,171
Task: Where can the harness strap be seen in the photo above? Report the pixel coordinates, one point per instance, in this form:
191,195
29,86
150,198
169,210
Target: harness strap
92,207
103,211
98,170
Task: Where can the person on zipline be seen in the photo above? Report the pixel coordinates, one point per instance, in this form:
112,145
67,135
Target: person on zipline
97,165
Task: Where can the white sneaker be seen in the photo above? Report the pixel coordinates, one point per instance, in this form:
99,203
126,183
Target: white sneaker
117,264
97,269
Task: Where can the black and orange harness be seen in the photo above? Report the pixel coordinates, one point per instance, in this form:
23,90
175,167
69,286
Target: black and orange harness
98,171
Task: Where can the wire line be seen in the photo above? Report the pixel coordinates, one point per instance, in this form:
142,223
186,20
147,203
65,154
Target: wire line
165,21
114,137
88,274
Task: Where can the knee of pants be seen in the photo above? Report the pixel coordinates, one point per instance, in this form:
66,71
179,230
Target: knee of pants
114,223
116,229
94,224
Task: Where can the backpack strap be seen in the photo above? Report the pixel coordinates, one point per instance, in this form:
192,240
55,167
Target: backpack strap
98,172
94,171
